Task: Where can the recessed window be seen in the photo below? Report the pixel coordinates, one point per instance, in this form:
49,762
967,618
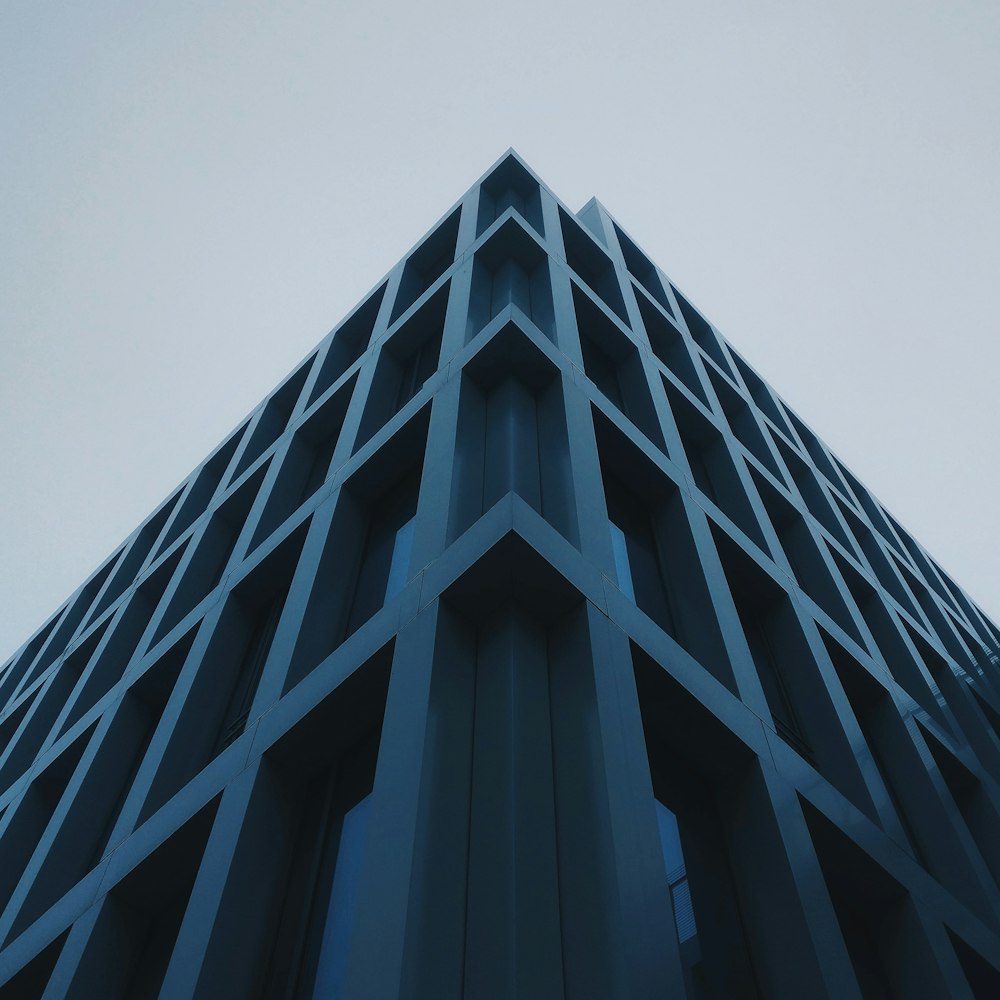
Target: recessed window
592,264
743,422
124,641
884,626
135,932
81,839
509,186
888,744
314,925
713,465
670,346
643,270
817,452
511,270
307,463
869,546
805,557
366,549
30,814
349,342
697,768
19,666
677,880
227,677
884,938
761,394
426,264
637,560
654,554
203,488
612,363
212,554
386,557
262,624
406,361
331,964
512,435
703,334
134,558
623,567
273,418
805,478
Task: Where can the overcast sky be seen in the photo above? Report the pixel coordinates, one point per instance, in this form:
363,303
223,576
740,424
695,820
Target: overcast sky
192,194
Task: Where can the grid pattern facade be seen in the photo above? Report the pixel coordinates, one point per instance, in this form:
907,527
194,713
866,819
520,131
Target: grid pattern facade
522,643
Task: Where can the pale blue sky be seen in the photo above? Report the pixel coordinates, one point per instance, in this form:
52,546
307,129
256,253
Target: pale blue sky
192,194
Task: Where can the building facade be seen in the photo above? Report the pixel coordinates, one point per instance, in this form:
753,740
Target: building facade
521,643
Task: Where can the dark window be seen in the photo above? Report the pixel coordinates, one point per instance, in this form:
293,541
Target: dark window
744,424
319,468
670,346
417,369
406,361
602,370
386,556
509,186
331,965
585,256
350,341
623,568
756,626
205,484
643,269
702,333
426,264
273,419
637,563
677,881
511,269
681,903
314,931
761,394
264,626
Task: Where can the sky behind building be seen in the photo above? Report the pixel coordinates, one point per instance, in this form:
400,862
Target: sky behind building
192,195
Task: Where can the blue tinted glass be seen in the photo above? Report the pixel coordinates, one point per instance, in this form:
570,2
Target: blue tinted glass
670,839
332,965
680,895
673,861
619,547
400,561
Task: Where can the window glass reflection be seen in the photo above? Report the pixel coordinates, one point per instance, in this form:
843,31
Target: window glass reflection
331,966
677,881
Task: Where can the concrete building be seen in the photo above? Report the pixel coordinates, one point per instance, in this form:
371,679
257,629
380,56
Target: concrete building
521,643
